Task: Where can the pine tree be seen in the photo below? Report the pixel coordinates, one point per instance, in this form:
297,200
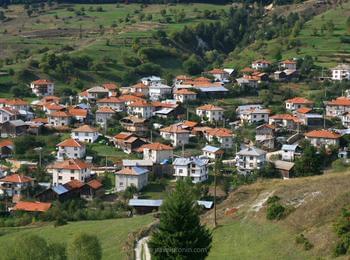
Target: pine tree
180,234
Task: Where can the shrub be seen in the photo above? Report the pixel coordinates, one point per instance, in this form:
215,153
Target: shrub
273,199
301,239
275,211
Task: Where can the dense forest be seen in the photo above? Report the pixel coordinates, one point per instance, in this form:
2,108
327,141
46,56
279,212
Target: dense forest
264,2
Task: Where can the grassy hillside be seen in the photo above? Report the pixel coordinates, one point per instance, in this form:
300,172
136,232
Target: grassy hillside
326,48
317,203
112,234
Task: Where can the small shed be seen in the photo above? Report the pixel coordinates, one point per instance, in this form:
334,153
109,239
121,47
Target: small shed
285,168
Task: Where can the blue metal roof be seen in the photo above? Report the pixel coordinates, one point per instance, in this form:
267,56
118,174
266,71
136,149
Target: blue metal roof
213,89
139,170
60,189
211,149
289,147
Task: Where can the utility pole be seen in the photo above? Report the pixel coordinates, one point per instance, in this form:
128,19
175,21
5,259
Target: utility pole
215,169
183,150
151,136
39,149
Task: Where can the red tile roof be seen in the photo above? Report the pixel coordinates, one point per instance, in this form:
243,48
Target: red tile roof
174,129
247,70
216,71
221,132
78,112
70,143
129,98
32,206
6,142
140,104
71,164
50,99
40,120
184,92
210,108
304,110
42,82
123,135
139,85
156,147
74,184
322,134
17,102
85,129
288,62
110,86
287,117
95,184
110,100
340,101
53,106
189,124
105,110
262,61
59,114
16,178
299,100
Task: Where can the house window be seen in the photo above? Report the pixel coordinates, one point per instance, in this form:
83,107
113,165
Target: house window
121,183
60,177
181,170
71,178
71,171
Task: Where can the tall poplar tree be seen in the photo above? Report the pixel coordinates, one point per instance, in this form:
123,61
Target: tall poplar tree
180,234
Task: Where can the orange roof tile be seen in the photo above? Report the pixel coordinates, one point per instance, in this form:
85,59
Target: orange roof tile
189,124
340,101
299,100
85,129
156,147
183,77
210,107
110,100
287,117
3,100
105,110
248,70
184,91
221,132
17,102
322,134
304,110
262,61
217,71
51,99
123,135
139,85
140,104
74,184
16,178
59,114
78,112
129,98
202,79
174,129
42,82
95,184
70,143
110,86
6,142
53,106
40,120
288,62
32,206
71,164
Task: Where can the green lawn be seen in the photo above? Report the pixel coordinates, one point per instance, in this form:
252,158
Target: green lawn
112,233
244,239
111,152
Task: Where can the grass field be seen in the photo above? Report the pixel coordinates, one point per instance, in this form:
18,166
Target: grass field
112,233
327,49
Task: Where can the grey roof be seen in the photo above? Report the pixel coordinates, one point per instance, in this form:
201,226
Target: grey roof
60,189
97,89
17,122
158,203
289,147
159,85
213,89
248,107
144,163
186,161
314,116
251,151
139,170
164,111
211,149
152,78
147,203
342,67
283,165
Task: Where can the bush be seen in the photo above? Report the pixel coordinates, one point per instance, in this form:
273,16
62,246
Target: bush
301,239
273,199
275,211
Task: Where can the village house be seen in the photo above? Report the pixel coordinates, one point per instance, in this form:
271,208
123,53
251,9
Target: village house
113,102
70,149
18,104
159,91
308,118
70,169
284,168
103,114
134,176
285,120
111,87
157,152
127,142
8,114
337,107
31,206
6,148
289,64
261,64
16,186
50,108
13,128
265,136
78,114
85,133
255,116
151,80
341,72
290,152
345,120
93,94
184,95
195,168
42,87
139,88
250,159
59,118
176,134
298,102
212,152
248,81
222,136
141,109
243,108
323,137
128,99
210,113
219,75
137,126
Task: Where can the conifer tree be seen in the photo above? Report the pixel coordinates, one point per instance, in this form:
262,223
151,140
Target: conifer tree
180,234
